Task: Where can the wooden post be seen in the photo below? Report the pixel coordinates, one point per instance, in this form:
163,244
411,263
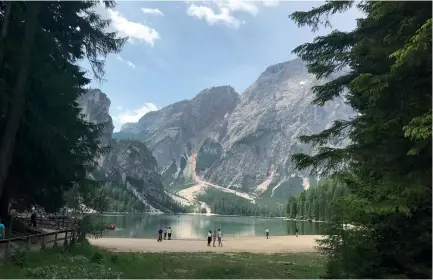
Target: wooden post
29,240
7,249
43,243
65,244
55,240
73,238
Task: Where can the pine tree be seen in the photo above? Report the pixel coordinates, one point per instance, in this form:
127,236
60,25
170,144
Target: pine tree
383,69
54,148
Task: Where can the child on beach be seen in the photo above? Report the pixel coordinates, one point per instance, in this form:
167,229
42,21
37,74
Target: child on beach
214,237
267,233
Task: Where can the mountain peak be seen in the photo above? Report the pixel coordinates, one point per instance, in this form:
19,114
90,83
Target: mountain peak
295,65
221,91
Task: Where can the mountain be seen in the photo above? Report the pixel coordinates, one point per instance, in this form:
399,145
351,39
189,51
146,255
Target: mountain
241,142
261,132
130,170
174,132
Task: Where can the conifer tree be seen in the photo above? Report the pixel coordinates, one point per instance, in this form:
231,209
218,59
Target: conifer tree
53,147
383,69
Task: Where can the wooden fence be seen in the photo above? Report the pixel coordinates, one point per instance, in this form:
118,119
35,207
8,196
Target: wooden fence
38,241
50,223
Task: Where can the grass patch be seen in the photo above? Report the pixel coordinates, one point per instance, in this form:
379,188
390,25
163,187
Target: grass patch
85,261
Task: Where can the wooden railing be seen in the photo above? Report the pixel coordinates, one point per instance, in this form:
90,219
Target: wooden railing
53,223
40,241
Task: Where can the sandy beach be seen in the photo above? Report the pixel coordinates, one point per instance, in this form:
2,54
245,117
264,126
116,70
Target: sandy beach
275,244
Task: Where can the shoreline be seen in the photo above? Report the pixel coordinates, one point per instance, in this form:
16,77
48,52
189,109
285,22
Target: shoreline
275,244
204,214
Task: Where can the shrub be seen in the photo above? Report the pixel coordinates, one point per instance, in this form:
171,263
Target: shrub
18,258
97,258
76,272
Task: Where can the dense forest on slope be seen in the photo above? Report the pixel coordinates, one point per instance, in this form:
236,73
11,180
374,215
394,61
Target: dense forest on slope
230,204
388,164
315,203
122,200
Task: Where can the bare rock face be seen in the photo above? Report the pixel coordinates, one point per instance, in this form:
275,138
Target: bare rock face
242,141
129,165
182,127
262,130
95,108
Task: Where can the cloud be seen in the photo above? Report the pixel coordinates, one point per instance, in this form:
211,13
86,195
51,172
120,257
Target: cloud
152,11
206,13
129,63
134,115
220,12
271,3
134,30
239,6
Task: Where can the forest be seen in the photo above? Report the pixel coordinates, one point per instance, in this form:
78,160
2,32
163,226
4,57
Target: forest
230,204
315,203
122,200
46,148
383,70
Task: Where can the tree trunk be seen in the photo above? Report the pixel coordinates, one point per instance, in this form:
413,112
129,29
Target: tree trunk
18,97
4,31
4,207
4,101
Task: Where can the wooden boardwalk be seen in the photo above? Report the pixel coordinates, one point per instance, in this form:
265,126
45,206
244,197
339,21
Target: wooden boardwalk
54,233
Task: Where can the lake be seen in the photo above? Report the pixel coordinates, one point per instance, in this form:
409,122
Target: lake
196,226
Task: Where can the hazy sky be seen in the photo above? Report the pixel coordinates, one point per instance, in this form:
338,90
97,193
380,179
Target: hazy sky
178,48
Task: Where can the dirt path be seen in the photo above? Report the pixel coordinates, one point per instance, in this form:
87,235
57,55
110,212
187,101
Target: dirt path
275,244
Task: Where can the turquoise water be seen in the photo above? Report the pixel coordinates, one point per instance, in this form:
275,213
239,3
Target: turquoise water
197,226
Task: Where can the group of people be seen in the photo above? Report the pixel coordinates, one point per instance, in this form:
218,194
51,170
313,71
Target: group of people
213,236
166,231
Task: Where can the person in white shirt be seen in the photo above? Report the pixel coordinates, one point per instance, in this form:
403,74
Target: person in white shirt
267,233
165,233
220,243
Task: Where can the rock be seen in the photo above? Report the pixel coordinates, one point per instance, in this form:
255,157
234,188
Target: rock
129,165
262,130
242,141
180,128
95,107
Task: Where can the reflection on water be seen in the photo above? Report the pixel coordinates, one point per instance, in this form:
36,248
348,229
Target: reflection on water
196,226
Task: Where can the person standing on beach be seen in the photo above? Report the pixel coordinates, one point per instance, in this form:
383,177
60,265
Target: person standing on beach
169,233
160,235
209,238
297,231
165,233
267,233
214,237
220,243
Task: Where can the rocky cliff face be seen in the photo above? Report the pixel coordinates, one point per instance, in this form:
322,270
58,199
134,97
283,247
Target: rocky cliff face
95,108
243,141
130,164
262,130
182,127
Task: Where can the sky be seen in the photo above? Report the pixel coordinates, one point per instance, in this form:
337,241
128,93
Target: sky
178,48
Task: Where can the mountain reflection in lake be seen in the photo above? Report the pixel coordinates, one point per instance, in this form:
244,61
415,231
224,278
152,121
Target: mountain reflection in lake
197,226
